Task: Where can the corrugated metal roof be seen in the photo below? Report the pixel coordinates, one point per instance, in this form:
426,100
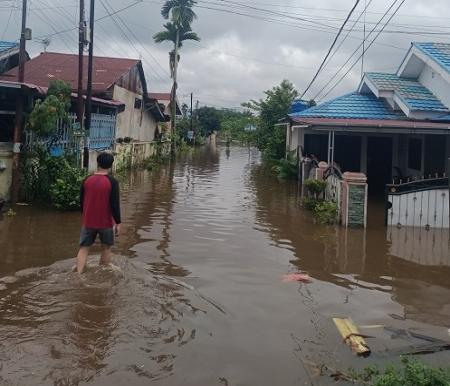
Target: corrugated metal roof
5,46
353,105
50,66
414,95
439,52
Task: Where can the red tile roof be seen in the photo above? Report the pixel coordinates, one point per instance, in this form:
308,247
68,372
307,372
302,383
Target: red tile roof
50,66
161,96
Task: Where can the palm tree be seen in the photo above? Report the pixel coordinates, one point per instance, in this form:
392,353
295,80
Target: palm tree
176,31
181,11
173,34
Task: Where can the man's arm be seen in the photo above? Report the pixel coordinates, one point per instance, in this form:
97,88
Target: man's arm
82,195
115,200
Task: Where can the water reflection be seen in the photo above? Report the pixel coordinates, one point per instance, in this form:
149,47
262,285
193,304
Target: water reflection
411,265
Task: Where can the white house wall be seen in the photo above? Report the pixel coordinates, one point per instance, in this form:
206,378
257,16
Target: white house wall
436,84
135,123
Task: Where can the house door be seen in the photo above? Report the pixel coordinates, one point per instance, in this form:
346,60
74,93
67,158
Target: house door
434,155
379,163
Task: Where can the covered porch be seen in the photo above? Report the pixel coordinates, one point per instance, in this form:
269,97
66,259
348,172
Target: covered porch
386,152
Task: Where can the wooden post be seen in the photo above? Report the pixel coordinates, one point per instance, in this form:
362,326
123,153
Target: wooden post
89,86
15,183
81,32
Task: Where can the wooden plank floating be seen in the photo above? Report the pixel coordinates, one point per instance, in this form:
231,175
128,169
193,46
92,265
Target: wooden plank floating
351,336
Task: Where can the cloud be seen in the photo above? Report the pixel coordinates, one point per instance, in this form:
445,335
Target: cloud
239,56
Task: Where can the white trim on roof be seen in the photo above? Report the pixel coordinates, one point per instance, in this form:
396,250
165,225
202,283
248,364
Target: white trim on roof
426,59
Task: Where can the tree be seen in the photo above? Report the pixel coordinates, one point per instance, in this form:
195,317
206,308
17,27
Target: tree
271,139
208,119
43,120
176,31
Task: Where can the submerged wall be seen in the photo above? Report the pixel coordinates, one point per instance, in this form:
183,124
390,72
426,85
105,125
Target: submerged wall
5,171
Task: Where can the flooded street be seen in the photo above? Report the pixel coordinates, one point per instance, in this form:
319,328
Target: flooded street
199,298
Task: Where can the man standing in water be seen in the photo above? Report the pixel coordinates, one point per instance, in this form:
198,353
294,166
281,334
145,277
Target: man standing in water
101,211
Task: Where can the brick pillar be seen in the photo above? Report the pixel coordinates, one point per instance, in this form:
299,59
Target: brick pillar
320,171
354,200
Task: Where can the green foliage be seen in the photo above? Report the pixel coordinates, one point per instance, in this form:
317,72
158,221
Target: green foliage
43,120
409,372
326,212
207,119
65,190
236,126
315,187
50,180
271,139
309,203
287,168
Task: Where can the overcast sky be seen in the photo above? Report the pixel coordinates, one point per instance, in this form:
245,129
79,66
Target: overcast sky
247,46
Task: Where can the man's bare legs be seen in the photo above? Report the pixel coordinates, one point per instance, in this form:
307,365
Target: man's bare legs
81,259
105,258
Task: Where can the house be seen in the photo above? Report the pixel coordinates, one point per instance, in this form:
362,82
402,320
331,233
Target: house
122,109
164,99
117,79
9,55
394,128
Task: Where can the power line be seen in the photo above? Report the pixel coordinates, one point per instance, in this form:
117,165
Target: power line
124,34
357,60
164,71
96,20
330,49
357,48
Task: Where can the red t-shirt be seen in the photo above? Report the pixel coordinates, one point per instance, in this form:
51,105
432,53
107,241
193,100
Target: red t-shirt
100,202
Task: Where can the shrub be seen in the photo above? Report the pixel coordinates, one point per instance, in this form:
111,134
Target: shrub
407,373
286,168
315,187
326,212
65,190
309,203
50,180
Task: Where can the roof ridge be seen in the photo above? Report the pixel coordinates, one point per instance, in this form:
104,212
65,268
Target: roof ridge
76,55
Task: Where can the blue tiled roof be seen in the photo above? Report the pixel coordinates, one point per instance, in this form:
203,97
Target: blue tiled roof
439,52
351,106
414,95
5,46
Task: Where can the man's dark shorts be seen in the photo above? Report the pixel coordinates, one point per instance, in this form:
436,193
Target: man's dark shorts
88,236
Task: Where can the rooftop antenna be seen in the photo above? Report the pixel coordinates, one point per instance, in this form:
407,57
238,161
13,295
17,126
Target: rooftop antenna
364,40
46,42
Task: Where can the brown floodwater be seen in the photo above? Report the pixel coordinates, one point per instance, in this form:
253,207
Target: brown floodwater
199,298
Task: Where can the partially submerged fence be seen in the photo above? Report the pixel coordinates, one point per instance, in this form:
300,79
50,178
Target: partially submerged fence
419,203
68,139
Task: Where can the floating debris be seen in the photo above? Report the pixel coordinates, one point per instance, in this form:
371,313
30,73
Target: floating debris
352,337
302,277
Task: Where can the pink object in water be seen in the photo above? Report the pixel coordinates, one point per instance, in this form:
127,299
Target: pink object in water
303,277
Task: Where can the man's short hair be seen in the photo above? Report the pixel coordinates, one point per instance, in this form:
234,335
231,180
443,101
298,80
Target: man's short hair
105,160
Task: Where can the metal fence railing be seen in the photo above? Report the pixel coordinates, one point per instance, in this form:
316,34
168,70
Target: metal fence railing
419,203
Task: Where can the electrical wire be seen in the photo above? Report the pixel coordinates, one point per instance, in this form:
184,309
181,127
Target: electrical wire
124,34
357,49
330,49
357,60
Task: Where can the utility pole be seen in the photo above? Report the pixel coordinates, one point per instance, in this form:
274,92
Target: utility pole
191,111
15,183
89,85
81,41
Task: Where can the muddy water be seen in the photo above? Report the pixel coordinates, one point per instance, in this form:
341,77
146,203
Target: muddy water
199,297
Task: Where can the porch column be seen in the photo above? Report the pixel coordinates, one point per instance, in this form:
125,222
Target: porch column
364,154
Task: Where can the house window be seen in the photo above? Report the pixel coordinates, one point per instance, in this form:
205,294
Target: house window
137,103
415,154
